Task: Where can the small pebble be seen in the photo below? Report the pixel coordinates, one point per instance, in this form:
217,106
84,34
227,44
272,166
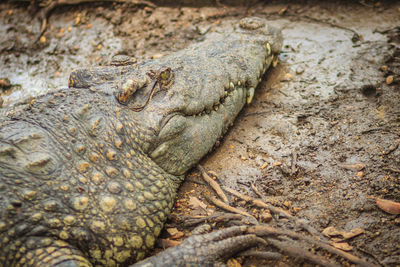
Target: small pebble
277,163
264,166
288,76
299,70
389,79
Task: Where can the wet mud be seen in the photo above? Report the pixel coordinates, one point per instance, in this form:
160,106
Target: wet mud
322,135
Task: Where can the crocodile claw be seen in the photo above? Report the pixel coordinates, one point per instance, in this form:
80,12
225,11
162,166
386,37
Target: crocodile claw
206,250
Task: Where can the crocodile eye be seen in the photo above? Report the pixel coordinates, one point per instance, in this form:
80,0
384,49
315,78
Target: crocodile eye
165,74
165,77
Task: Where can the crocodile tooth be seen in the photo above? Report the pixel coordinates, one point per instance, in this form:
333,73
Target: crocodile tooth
250,95
231,85
268,48
239,83
216,107
268,60
275,61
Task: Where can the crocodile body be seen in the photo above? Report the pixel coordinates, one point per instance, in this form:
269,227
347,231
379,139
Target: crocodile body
89,173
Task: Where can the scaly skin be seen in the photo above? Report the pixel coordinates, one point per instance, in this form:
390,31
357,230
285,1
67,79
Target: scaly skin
89,174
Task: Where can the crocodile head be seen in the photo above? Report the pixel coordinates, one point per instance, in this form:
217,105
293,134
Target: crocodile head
91,172
189,98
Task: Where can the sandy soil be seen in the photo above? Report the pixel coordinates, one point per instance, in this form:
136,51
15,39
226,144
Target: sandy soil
322,135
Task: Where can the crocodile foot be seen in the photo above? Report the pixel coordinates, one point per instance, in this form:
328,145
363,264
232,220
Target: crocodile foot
211,249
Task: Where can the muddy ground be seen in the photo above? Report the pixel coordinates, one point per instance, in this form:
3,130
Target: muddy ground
322,135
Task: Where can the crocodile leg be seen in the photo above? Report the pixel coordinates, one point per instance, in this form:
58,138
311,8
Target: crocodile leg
206,250
50,252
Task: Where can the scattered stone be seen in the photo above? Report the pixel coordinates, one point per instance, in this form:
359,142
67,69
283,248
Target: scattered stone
5,84
389,79
288,76
276,163
299,70
264,166
342,246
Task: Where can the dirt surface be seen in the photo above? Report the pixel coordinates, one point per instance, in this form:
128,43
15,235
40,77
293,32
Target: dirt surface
322,135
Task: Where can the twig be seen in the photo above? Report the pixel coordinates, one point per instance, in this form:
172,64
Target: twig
188,221
261,204
393,169
298,252
226,207
263,230
261,254
214,185
294,163
255,189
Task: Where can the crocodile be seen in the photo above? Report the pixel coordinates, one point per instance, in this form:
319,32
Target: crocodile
89,173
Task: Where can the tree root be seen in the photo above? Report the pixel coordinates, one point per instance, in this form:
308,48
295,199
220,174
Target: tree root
263,230
214,185
226,207
282,239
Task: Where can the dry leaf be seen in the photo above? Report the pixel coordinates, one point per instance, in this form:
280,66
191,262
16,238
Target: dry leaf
167,243
175,233
388,206
342,246
353,167
353,232
332,231
233,263
196,203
